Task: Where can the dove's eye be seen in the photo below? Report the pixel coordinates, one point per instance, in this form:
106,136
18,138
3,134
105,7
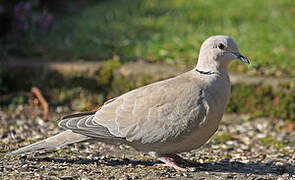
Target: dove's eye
221,46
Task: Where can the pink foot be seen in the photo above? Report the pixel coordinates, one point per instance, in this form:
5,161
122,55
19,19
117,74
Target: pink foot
176,162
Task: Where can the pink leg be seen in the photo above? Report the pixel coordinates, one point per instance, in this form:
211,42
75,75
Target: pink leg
176,162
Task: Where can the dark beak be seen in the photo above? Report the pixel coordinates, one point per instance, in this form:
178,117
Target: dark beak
242,58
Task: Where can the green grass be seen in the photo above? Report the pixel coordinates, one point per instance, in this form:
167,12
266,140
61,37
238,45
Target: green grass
269,141
173,30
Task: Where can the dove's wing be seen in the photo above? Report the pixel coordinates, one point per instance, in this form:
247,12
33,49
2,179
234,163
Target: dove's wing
85,124
149,114
156,112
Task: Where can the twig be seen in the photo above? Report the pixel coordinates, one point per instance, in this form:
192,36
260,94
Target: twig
36,91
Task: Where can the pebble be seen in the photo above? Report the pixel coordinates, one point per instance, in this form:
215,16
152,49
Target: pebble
261,135
232,159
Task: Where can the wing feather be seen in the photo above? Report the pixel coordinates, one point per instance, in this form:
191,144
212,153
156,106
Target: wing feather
149,114
83,123
155,112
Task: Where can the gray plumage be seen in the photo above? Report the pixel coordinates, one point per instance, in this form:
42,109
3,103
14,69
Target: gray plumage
167,117
61,139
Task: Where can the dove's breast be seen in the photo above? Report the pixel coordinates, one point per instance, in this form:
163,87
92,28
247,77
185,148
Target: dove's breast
203,119
214,99
217,95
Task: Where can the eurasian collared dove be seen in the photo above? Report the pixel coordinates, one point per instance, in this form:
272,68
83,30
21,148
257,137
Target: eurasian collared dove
164,118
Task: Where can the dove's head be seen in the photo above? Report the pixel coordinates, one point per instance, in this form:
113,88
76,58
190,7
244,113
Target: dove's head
217,52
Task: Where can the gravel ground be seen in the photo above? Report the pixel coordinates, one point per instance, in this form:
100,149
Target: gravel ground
243,148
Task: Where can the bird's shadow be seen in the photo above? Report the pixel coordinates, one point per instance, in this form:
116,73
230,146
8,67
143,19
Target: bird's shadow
221,166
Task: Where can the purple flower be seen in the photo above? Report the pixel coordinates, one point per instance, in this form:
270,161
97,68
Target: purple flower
20,17
24,17
46,20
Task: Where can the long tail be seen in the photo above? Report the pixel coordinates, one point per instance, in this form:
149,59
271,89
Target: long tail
61,139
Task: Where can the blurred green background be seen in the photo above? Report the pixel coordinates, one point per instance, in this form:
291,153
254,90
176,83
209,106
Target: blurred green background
115,32
160,30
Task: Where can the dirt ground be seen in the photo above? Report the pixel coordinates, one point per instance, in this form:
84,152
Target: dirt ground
243,148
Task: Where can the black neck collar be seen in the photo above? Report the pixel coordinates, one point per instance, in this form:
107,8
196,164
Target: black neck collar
206,72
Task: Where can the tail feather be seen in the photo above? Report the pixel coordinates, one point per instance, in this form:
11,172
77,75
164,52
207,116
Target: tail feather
61,139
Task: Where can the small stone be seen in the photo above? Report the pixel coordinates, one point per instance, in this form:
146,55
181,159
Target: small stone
66,177
258,178
8,168
261,135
